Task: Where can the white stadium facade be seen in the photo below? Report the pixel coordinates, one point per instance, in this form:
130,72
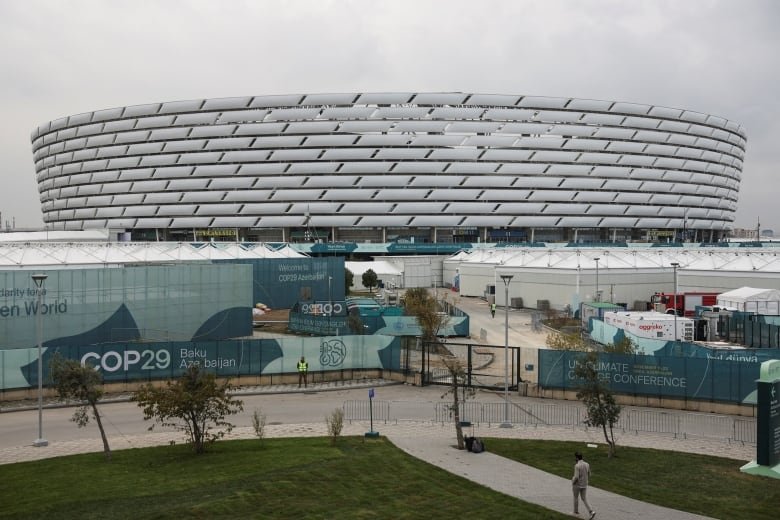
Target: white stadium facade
378,167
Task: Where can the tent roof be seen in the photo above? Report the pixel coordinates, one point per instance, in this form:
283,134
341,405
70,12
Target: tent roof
750,294
711,260
90,254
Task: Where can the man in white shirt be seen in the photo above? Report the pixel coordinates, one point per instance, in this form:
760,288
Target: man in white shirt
579,484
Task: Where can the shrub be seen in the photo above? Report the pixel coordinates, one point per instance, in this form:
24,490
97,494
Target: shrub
258,423
335,422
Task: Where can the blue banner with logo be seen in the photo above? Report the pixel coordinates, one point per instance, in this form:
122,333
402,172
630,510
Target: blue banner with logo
124,362
677,377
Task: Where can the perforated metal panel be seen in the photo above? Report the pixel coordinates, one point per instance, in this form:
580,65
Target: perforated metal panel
389,159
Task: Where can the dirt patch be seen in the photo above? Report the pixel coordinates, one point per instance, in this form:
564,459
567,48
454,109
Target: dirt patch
273,321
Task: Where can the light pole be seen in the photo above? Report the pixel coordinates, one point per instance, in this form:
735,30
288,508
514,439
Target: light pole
506,278
39,279
675,265
330,302
598,297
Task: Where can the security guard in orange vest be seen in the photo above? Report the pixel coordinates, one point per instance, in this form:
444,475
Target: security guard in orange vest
303,369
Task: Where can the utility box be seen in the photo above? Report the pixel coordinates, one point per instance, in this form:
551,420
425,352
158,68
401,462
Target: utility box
651,324
516,303
596,310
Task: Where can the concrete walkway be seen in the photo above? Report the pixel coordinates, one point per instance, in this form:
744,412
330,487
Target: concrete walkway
528,483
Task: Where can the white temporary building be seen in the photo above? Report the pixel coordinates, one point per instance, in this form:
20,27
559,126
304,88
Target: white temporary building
385,271
570,275
749,299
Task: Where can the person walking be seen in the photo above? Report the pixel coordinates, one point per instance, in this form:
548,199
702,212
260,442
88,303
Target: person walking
493,310
579,484
303,369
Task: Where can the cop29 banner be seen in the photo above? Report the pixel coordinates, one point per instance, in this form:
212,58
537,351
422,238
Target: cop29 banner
679,377
122,362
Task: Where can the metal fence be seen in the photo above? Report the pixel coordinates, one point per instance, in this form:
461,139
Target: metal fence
750,330
478,360
539,415
522,415
364,410
689,425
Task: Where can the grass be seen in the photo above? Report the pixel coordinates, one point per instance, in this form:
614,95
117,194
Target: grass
357,479
279,478
705,485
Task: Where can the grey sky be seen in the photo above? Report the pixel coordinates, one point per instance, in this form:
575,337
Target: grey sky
59,58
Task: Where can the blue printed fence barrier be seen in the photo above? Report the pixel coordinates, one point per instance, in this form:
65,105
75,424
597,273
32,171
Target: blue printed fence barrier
691,378
126,362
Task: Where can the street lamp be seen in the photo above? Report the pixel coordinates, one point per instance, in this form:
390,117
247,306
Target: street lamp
506,278
675,265
39,279
598,297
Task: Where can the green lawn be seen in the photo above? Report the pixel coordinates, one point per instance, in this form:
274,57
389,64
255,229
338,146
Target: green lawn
699,484
308,478
278,478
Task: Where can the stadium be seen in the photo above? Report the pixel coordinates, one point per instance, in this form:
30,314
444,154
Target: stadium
383,167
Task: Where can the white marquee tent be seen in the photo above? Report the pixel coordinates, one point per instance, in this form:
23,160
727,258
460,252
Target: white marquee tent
750,299
567,275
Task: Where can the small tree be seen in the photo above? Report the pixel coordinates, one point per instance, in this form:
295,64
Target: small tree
458,381
369,279
82,383
355,323
562,341
624,345
258,423
419,303
349,280
600,405
335,423
195,403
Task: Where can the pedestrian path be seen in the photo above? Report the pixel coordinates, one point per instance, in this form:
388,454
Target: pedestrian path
528,483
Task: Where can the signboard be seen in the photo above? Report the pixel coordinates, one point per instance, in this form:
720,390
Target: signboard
333,247
768,419
435,248
767,461
768,424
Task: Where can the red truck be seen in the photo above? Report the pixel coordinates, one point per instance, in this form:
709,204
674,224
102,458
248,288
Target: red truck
686,302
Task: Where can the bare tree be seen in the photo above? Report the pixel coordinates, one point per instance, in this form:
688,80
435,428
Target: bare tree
600,405
458,382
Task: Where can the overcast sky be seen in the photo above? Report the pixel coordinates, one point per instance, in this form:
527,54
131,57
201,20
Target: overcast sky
59,58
